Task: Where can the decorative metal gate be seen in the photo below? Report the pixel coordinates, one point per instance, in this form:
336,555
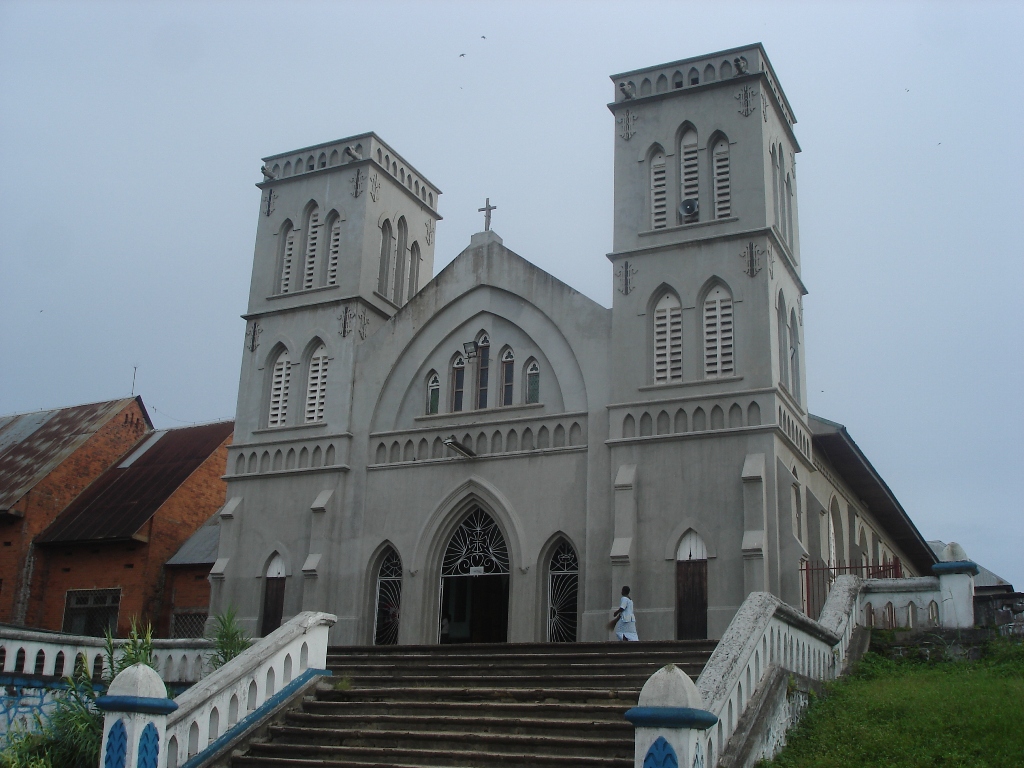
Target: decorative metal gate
563,591
477,548
389,600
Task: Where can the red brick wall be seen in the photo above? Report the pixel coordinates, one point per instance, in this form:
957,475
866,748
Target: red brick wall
185,586
50,496
105,566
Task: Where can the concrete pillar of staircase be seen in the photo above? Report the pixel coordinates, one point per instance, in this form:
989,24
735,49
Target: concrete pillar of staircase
135,719
956,584
670,723
623,552
755,523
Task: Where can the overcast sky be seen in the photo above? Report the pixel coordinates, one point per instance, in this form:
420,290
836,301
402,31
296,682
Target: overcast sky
131,136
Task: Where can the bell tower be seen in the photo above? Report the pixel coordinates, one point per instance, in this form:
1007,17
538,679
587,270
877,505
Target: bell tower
708,294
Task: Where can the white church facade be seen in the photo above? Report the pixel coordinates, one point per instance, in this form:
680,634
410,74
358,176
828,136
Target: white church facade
487,455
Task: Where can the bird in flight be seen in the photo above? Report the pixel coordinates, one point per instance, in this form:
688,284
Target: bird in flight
462,55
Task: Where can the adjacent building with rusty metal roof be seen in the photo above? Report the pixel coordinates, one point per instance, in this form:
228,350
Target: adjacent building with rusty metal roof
47,458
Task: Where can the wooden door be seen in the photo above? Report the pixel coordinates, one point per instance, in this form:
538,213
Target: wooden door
273,604
691,599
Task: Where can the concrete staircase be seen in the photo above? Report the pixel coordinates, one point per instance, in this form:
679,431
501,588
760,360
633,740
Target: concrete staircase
473,706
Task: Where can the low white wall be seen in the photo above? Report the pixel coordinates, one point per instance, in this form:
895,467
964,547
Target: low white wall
177,661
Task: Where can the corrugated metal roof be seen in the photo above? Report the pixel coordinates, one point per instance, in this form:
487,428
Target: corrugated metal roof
835,444
124,497
33,444
201,547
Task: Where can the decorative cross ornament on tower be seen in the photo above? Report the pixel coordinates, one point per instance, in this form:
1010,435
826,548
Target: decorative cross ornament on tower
486,211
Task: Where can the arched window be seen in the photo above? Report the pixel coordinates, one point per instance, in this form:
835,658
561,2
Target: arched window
433,393
334,251
720,174
788,196
831,542
668,339
563,593
718,333
398,271
389,599
386,242
483,369
659,196
508,362
414,269
691,588
280,380
316,385
794,354
458,381
533,383
775,188
781,192
312,243
694,76
783,340
688,172
288,238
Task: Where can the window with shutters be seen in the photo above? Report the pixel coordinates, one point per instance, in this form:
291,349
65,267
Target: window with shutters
688,171
433,393
720,174
508,363
483,369
287,257
783,340
312,241
668,339
780,191
718,333
788,196
794,355
533,382
458,382
398,270
334,251
386,240
659,192
316,385
415,258
280,380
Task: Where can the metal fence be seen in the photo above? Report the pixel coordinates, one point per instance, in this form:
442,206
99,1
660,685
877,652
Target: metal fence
816,579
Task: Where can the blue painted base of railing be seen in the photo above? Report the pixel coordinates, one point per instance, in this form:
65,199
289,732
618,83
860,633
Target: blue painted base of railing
670,717
956,566
254,717
146,704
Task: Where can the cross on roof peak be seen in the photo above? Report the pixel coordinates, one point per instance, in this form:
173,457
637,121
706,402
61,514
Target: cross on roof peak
486,211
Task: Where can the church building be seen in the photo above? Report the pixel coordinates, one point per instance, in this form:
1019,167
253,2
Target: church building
487,455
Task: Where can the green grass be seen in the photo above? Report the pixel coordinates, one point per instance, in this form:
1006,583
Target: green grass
888,713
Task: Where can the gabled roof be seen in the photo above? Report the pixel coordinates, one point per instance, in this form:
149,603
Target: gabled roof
835,444
121,500
33,444
201,547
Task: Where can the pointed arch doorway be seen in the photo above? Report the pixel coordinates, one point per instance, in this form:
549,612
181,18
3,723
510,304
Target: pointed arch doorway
691,588
474,583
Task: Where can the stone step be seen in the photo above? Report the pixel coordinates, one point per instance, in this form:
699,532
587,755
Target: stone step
483,721
441,666
523,650
304,739
438,755
583,682
565,710
473,693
